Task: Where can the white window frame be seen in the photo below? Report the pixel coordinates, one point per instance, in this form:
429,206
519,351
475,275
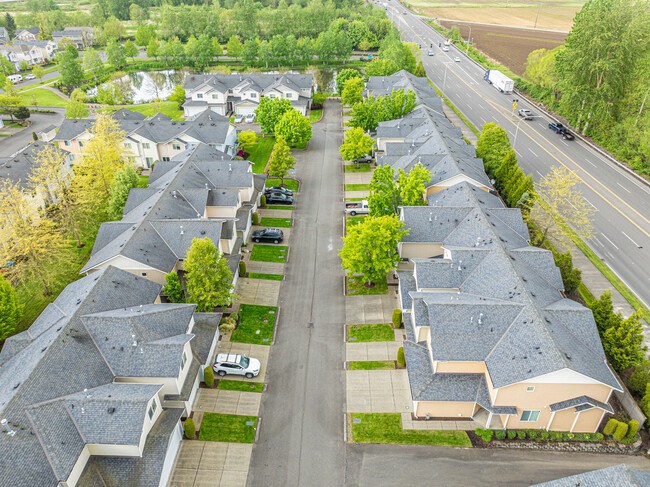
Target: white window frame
215,96
152,409
289,94
529,416
176,146
199,95
145,145
530,389
149,161
253,95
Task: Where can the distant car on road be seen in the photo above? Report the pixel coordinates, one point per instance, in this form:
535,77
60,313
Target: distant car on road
405,12
566,135
239,118
430,53
230,363
457,59
445,48
250,118
30,76
278,189
556,126
273,235
363,160
279,199
525,113
353,208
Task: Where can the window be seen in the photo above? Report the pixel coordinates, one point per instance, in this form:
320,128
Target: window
289,95
253,95
165,159
81,144
230,91
271,95
176,146
215,96
145,145
66,142
199,95
149,161
127,144
152,409
184,361
529,416
144,274
530,389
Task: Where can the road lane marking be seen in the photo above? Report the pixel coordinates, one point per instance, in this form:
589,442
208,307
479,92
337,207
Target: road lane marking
599,242
624,188
572,206
531,150
631,239
589,203
605,237
587,160
540,174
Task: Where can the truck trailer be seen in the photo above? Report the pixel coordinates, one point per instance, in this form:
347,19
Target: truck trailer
500,81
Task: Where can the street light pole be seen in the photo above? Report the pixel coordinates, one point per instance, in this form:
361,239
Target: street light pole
469,37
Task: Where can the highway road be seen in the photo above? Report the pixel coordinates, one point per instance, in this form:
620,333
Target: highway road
622,222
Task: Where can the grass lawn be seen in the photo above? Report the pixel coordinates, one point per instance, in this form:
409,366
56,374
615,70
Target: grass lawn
355,220
269,253
291,184
357,287
268,277
360,168
251,320
357,187
168,108
227,428
279,207
259,154
276,222
372,365
13,125
43,97
354,199
377,332
5,135
387,428
239,385
314,115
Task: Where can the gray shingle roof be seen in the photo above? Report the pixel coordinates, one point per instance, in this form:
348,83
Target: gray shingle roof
18,168
618,475
582,402
223,82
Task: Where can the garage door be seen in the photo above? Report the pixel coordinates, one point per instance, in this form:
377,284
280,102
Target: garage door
244,109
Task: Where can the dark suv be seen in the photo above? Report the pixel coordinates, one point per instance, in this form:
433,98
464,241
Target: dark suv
274,235
557,126
363,160
566,135
279,199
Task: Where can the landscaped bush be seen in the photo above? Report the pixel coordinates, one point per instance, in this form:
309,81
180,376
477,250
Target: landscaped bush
486,435
610,427
317,100
628,440
621,431
234,317
500,434
512,434
632,429
401,360
208,376
262,200
533,435
242,268
256,215
397,318
190,428
227,324
521,434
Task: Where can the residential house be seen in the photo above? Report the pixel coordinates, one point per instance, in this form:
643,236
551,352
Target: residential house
81,37
240,94
4,35
94,391
32,51
29,34
158,138
200,193
425,95
620,475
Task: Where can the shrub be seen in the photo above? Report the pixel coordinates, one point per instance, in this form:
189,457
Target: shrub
208,376
262,200
227,325
532,434
639,378
628,440
511,434
242,268
568,436
34,136
397,318
486,435
521,434
500,434
256,215
544,435
632,429
401,360
234,317
598,437
621,431
190,428
610,427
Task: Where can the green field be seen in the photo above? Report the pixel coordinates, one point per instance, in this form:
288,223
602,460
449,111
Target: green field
43,98
357,187
357,286
269,253
268,277
276,222
372,365
240,385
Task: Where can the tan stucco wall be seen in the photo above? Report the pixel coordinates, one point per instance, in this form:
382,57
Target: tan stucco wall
220,211
424,334
461,367
420,250
445,409
170,384
588,421
115,450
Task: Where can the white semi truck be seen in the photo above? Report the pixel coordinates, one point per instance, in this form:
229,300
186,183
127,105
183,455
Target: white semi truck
500,81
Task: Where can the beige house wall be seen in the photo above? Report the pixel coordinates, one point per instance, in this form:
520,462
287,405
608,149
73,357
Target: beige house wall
170,384
452,181
460,367
588,421
79,467
220,211
115,450
419,250
381,143
439,409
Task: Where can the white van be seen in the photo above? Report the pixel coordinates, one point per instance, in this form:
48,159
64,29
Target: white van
15,78
353,208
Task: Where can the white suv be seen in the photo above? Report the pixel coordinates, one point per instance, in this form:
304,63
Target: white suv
229,363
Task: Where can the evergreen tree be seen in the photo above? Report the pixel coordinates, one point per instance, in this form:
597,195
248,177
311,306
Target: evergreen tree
174,288
125,178
209,280
10,24
622,343
603,310
640,377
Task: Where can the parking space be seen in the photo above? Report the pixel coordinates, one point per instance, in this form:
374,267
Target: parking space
258,291
285,231
377,391
260,352
372,351
208,463
370,309
228,402
357,178
265,267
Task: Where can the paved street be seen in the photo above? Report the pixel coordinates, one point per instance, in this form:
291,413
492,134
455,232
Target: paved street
301,435
10,145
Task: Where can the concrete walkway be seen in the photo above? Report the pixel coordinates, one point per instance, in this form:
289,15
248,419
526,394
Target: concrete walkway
227,402
371,351
371,309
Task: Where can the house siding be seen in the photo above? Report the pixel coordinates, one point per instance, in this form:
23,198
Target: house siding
438,409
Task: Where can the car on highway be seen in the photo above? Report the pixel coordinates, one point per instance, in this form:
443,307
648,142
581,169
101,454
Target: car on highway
430,52
272,235
30,76
279,199
556,126
250,118
526,114
457,59
405,12
235,364
566,135
445,49
239,118
278,189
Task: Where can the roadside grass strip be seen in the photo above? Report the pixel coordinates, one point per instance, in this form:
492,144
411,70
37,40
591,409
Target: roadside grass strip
357,287
357,187
354,199
268,277
269,253
355,220
387,428
276,222
377,332
314,115
372,365
291,184
255,324
260,153
240,385
360,168
228,428
279,207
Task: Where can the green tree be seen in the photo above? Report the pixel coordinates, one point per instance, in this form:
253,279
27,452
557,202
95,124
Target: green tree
370,248
293,128
92,61
247,139
115,54
639,378
356,144
10,24
234,47
24,65
622,343
381,67
281,161
124,179
270,111
22,113
343,76
398,104
492,146
419,70
138,14
571,277
130,50
412,185
75,109
39,72
365,115
250,52
603,310
174,288
178,95
353,91
11,311
209,281
389,191
69,66
152,48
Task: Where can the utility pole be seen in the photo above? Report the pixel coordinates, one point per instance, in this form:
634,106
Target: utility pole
537,16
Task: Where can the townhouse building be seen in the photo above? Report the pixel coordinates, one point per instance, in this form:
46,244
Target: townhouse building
28,34
33,51
81,37
157,138
4,35
240,94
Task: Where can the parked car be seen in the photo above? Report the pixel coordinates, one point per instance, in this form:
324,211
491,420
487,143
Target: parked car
250,118
363,160
557,126
239,118
430,52
273,235
354,208
278,189
457,59
279,199
526,114
15,78
30,76
230,363
566,135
